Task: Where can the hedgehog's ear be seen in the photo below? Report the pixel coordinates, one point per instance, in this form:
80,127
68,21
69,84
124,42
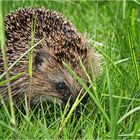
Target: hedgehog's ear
38,59
42,55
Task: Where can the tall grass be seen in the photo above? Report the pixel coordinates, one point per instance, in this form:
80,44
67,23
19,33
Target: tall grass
3,50
113,109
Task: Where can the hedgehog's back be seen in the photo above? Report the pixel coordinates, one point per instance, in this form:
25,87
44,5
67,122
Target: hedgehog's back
59,35
45,24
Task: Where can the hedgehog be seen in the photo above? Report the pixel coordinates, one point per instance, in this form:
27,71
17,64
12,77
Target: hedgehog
62,43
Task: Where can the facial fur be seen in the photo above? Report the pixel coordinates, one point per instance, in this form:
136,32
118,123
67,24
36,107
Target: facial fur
57,82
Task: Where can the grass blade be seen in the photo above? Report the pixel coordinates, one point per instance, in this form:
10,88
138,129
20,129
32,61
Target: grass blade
3,49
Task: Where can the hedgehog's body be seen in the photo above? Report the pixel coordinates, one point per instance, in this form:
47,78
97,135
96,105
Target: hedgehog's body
61,43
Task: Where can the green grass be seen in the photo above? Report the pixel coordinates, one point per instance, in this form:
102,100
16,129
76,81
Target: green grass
113,108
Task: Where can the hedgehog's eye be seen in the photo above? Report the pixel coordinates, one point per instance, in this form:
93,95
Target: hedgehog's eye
61,87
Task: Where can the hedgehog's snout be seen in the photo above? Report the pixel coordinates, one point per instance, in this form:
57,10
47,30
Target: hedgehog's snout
66,91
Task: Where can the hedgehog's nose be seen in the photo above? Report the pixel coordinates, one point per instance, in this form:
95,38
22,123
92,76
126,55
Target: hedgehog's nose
80,106
77,109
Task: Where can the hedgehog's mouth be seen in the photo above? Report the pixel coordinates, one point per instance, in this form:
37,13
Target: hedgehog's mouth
60,101
44,98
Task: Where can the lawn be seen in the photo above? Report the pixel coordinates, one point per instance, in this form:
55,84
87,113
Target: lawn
113,108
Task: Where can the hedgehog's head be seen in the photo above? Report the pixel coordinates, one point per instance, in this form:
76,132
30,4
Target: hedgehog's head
52,80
